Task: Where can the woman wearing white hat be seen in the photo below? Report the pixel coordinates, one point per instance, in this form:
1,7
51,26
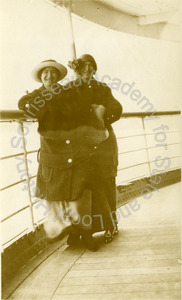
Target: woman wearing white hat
69,135
48,72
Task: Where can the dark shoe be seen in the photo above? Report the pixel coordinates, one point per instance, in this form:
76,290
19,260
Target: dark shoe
73,239
89,241
108,236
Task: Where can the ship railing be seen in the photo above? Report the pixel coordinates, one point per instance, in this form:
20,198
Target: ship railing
145,142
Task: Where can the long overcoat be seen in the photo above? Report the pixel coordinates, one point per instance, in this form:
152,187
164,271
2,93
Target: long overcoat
70,133
105,160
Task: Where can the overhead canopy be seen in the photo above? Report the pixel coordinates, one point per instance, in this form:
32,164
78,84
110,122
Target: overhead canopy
142,8
150,18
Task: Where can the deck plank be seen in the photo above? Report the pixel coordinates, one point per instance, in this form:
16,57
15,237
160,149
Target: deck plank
129,258
125,264
134,278
161,295
121,271
119,288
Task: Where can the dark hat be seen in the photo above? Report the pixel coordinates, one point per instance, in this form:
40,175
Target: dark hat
88,57
77,64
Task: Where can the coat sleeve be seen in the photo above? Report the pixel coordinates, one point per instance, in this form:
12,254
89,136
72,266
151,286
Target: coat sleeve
32,104
113,108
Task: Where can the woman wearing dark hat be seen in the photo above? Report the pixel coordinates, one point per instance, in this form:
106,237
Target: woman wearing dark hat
105,160
69,133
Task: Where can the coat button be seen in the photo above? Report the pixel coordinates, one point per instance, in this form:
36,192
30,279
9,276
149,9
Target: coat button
89,86
95,147
70,160
67,141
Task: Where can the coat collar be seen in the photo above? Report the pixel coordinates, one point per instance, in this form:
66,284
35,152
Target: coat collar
93,82
43,88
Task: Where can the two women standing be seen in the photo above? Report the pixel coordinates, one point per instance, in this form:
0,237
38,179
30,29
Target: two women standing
78,153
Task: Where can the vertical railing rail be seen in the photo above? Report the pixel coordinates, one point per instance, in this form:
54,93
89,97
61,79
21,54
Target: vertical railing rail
27,174
146,145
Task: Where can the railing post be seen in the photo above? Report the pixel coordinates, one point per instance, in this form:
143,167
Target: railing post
28,177
146,145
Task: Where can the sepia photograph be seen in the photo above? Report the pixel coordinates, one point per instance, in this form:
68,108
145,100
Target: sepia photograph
90,124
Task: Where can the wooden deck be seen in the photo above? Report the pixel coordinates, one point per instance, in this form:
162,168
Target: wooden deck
143,261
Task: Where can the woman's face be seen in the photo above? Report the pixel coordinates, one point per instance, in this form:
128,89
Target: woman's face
86,70
49,76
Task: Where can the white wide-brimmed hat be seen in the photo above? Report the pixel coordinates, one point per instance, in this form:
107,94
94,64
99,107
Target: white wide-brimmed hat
36,72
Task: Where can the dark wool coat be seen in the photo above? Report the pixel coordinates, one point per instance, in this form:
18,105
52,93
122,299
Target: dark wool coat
70,134
105,159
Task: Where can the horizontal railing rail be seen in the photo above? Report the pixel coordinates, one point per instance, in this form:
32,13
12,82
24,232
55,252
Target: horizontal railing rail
10,115
142,134
144,163
144,148
18,154
19,117
15,183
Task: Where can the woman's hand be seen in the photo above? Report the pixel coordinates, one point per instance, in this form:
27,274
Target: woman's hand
99,111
